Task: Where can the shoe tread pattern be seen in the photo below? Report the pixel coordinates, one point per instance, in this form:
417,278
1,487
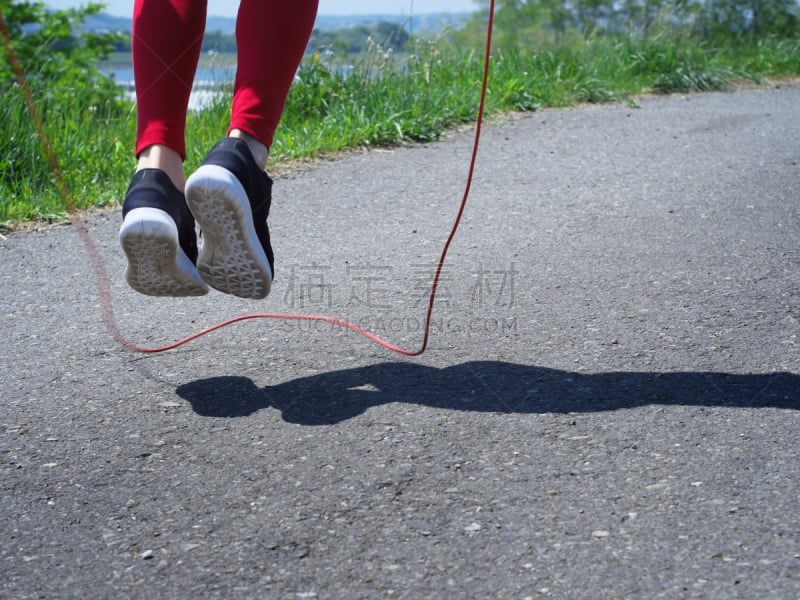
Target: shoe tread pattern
156,264
231,257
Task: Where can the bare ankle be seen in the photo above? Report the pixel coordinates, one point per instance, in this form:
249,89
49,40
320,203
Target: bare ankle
258,149
165,159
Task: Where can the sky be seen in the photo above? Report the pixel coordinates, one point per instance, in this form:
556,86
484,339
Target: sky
226,8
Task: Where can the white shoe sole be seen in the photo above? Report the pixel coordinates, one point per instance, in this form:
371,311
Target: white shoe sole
157,266
231,259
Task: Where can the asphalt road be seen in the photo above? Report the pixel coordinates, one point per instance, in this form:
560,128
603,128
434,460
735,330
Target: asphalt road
609,406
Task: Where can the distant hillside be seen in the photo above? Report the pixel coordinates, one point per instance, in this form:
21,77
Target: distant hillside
105,22
426,22
227,25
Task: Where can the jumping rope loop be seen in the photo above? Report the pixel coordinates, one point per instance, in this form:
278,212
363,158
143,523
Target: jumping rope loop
104,287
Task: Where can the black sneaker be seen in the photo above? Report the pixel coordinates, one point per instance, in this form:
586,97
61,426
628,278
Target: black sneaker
230,197
159,239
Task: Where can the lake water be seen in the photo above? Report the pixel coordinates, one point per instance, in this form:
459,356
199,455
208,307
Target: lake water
205,88
207,81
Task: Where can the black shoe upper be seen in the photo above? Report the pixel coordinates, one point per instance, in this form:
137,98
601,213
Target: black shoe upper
234,155
152,188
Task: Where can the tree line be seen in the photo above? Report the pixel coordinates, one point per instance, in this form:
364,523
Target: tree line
520,22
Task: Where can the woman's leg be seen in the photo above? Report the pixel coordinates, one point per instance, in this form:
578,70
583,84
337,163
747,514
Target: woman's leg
230,194
271,37
158,231
167,37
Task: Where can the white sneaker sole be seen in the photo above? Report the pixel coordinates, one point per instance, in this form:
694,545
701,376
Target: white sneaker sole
157,266
231,259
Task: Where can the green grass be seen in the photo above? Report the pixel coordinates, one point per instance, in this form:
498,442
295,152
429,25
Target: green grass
386,99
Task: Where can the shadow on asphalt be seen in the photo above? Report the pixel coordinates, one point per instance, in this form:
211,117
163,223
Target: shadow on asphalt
484,386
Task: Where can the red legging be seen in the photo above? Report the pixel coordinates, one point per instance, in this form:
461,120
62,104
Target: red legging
271,36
